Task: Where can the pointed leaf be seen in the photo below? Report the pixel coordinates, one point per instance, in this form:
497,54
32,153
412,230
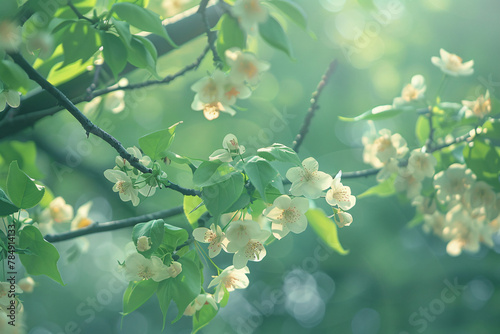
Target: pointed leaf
22,190
326,229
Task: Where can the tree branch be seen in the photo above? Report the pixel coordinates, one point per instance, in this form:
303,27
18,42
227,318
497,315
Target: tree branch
182,28
114,225
77,12
80,117
314,106
211,35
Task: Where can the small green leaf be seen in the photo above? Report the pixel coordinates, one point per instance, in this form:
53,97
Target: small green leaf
193,210
153,229
173,237
261,173
137,294
182,289
114,51
142,18
22,190
6,206
157,143
422,129
44,256
123,30
484,161
230,35
13,76
79,42
377,113
383,189
140,56
24,153
203,317
220,196
326,229
279,152
212,172
272,32
292,11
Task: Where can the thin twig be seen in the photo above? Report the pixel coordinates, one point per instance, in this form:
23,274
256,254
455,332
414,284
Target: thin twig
166,80
211,35
430,139
80,117
95,81
77,12
314,106
114,225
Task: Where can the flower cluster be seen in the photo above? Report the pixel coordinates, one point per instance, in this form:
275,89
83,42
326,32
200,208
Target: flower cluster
247,236
129,182
137,267
58,215
218,92
465,212
26,285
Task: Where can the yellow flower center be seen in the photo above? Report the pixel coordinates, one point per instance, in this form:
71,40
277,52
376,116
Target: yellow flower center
253,249
212,110
248,68
84,222
232,93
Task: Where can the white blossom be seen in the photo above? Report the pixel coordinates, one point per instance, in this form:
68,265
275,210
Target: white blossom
480,108
138,268
143,243
82,219
411,92
307,180
287,215
452,183
213,236
200,301
421,165
452,64
245,66
249,13
340,195
123,185
230,279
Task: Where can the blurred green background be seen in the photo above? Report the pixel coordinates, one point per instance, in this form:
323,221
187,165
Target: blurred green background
392,275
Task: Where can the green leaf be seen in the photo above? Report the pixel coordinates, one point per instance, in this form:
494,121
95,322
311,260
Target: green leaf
14,76
417,220
261,173
137,294
221,196
123,30
203,317
22,190
157,143
230,35
212,172
377,113
383,189
79,42
142,18
422,129
484,160
193,210
182,289
6,206
326,229
153,229
24,153
292,11
173,237
114,51
140,56
272,32
44,256
491,131
279,152
83,6
9,8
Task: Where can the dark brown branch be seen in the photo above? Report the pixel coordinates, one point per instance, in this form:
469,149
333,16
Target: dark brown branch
314,106
80,117
114,225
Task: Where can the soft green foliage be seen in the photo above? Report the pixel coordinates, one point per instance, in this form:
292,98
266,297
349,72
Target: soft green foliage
79,41
326,229
22,190
279,152
138,293
13,76
182,289
203,317
230,35
260,173
377,113
6,206
272,32
383,189
24,153
114,52
483,159
157,143
43,256
193,209
219,197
